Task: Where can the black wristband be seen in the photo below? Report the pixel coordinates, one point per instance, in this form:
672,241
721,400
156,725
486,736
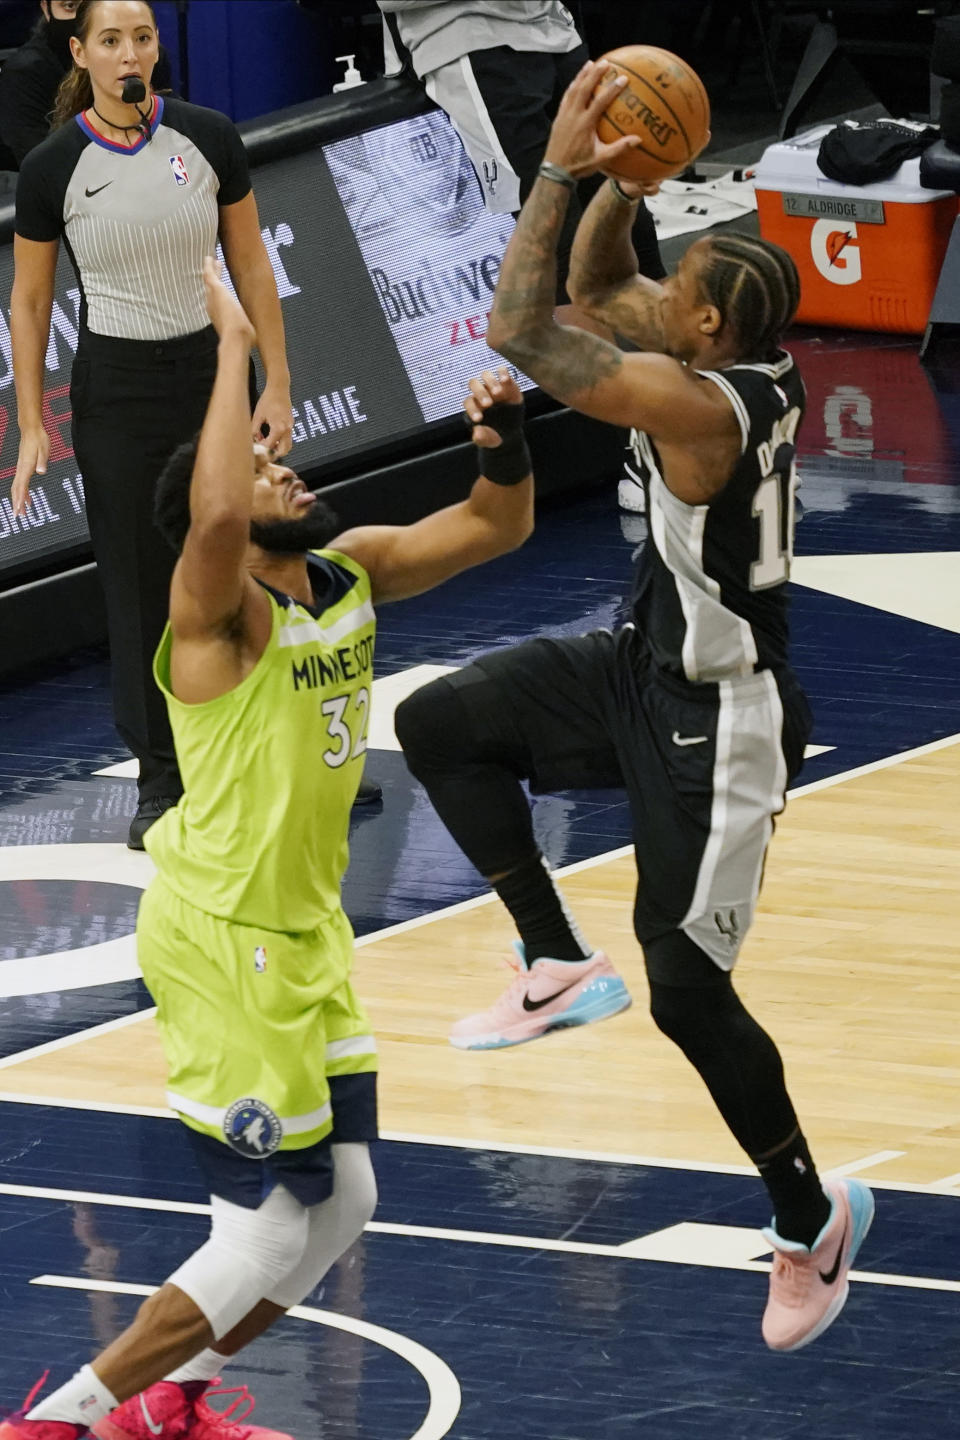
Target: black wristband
509,462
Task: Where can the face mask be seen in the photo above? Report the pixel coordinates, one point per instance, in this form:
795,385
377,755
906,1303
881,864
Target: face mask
58,38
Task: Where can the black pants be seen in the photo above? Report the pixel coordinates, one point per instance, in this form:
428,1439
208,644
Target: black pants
521,92
134,402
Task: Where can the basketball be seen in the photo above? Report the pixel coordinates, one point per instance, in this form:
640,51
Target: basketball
663,102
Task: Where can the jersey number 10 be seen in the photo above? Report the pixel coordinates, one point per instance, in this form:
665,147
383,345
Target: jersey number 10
774,505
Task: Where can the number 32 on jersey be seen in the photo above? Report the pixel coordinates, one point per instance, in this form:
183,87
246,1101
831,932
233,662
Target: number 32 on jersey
347,719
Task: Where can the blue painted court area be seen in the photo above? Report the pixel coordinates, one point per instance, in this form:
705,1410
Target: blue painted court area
569,1344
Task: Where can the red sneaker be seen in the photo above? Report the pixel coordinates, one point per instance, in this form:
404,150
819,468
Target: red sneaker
162,1412
228,1424
166,1412
18,1427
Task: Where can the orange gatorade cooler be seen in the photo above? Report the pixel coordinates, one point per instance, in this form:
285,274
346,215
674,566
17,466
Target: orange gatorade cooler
869,256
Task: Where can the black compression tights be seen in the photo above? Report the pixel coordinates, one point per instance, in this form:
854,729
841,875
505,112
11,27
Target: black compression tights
473,779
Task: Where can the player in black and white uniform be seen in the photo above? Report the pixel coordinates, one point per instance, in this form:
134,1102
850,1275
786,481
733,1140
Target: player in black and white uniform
692,706
139,196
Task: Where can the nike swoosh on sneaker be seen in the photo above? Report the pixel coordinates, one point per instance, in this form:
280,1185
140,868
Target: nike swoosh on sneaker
531,1005
679,739
149,1420
834,1270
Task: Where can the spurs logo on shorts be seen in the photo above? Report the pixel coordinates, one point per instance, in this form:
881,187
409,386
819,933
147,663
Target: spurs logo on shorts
252,1129
728,923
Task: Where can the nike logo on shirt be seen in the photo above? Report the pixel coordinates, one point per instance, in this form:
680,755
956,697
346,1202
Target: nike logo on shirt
90,193
834,1270
679,739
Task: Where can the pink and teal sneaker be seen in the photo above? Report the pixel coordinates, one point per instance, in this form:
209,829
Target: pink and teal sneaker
547,995
809,1285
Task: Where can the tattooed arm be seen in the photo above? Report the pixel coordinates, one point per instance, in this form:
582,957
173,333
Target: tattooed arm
650,391
604,278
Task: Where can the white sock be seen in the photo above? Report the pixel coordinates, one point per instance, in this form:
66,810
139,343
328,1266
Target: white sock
205,1366
82,1401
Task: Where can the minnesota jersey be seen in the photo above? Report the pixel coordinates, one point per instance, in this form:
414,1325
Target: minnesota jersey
710,594
137,220
271,768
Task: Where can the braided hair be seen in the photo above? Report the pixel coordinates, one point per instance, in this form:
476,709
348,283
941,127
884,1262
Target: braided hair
755,286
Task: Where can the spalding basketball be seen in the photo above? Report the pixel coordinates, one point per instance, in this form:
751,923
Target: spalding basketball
664,103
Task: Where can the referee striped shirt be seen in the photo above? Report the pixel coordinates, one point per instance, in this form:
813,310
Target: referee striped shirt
137,220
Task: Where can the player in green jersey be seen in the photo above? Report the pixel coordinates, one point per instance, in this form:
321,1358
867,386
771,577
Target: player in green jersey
266,665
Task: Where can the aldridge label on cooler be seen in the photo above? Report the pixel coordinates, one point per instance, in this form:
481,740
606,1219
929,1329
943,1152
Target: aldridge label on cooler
834,207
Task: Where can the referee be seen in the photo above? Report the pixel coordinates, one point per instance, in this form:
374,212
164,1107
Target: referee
140,193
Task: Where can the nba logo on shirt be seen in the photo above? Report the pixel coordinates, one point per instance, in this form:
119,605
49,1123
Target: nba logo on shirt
260,959
179,170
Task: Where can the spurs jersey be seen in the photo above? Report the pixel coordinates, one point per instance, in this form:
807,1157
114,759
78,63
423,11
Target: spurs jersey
710,593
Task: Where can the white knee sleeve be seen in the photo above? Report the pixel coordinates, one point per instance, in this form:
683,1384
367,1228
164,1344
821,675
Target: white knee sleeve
334,1224
247,1255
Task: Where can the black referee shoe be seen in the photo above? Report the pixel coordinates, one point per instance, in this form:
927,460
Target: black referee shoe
148,811
369,793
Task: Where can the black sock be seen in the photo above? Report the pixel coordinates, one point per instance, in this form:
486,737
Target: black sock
547,931
799,1203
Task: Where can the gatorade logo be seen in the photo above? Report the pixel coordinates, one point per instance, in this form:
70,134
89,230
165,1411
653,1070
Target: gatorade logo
836,254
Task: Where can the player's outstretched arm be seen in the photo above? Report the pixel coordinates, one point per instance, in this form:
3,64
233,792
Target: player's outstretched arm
210,576
604,279
650,391
497,515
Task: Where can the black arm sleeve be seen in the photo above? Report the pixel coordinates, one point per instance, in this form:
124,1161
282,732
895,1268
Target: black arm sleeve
232,168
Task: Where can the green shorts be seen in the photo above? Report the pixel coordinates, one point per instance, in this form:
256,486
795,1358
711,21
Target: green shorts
254,1023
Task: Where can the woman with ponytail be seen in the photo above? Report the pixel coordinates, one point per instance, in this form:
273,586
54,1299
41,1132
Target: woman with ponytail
140,190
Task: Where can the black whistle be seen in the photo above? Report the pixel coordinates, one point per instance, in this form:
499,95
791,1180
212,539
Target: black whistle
134,90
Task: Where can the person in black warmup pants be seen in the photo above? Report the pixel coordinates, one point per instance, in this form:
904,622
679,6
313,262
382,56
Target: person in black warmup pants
692,706
139,193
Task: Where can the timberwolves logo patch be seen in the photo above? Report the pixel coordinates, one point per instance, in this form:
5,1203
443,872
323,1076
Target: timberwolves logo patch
252,1129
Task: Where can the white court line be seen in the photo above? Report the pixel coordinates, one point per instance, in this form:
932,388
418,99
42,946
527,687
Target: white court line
867,1163
58,1102
506,1147
885,764
683,1244
442,1385
65,1040
94,1197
